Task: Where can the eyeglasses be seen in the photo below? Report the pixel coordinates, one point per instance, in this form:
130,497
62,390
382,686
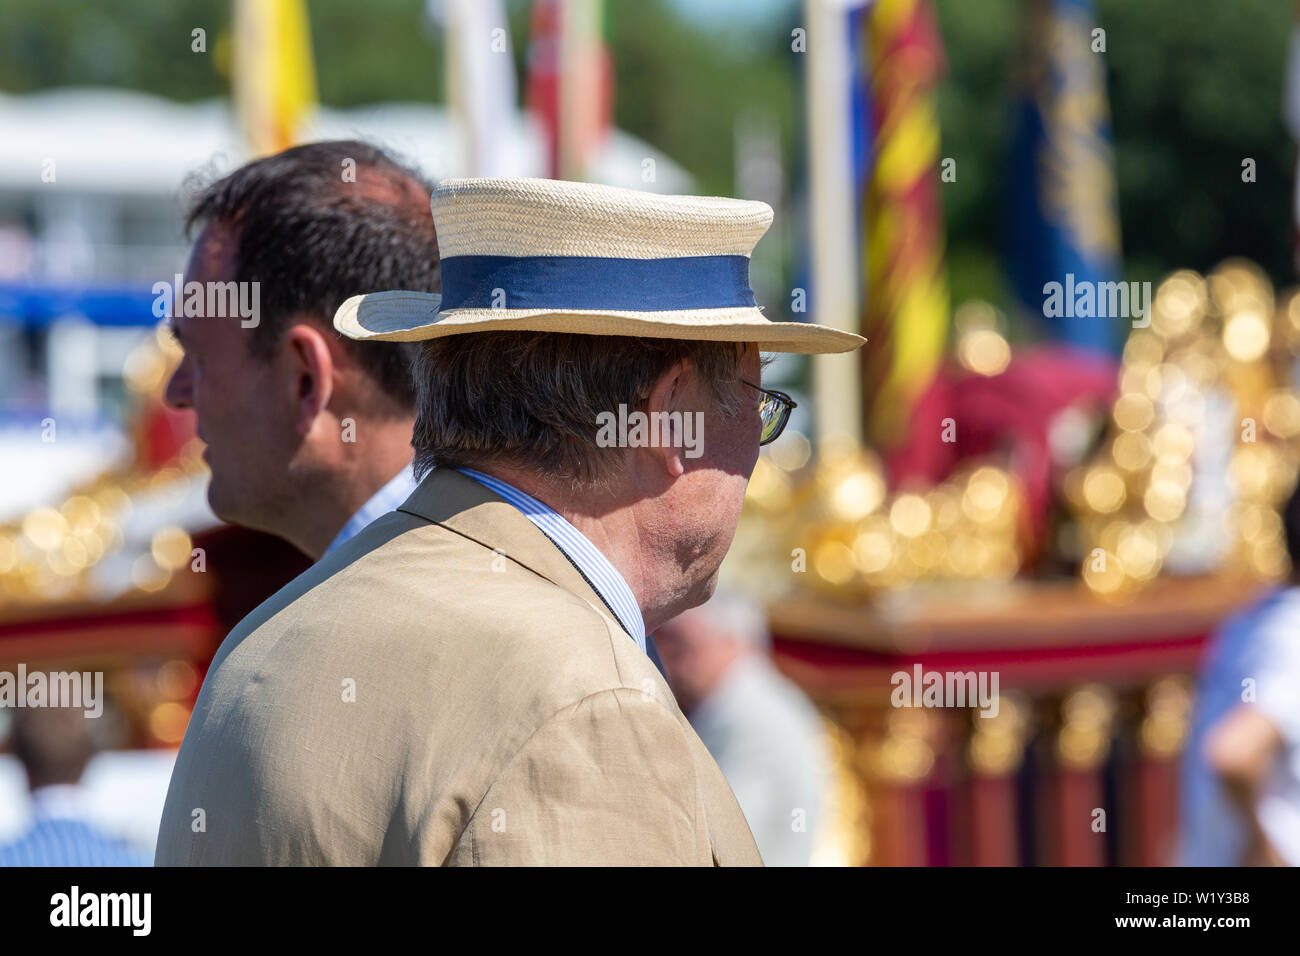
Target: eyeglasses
775,412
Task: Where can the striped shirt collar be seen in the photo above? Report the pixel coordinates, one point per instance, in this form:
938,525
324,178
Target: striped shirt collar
386,499
586,557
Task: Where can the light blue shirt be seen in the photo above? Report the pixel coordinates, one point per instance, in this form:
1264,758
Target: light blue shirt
62,834
386,499
603,576
1254,657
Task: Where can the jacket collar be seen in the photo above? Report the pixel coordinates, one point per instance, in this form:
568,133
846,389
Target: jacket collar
461,504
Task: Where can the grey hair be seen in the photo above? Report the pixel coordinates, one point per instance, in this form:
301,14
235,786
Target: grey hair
531,399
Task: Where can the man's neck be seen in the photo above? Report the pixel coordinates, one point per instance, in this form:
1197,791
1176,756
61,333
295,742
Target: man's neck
61,799
612,526
345,489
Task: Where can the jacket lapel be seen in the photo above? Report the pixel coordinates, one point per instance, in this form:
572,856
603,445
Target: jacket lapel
461,504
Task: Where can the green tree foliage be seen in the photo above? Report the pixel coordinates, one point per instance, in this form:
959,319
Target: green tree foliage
682,89
1195,88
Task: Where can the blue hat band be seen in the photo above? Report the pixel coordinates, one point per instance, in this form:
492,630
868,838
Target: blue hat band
596,283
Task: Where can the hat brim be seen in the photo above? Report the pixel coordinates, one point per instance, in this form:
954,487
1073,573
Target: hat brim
415,316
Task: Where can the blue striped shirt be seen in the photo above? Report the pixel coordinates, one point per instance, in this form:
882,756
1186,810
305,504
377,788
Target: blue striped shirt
61,836
602,575
386,499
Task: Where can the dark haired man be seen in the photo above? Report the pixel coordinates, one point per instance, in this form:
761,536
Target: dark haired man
308,434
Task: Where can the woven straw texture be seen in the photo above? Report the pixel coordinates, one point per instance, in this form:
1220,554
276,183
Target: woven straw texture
547,217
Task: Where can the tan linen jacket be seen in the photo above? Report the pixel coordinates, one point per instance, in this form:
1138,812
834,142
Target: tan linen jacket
445,688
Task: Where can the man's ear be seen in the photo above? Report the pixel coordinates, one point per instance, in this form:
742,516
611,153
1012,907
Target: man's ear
309,373
671,393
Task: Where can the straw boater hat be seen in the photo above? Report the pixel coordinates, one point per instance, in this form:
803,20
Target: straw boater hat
549,256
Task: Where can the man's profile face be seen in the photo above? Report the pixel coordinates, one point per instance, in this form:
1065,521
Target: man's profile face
714,484
242,404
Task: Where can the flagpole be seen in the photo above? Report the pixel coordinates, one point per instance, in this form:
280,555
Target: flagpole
837,393
480,82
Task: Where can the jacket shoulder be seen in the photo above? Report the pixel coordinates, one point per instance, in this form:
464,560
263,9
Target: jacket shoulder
608,780
361,713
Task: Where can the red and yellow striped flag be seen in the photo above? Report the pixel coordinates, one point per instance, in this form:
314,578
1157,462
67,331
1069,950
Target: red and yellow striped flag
905,315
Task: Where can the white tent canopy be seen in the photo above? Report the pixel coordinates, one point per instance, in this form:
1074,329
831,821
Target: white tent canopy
128,143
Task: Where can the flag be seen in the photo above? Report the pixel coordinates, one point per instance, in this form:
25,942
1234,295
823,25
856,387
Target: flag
480,70
570,82
905,300
273,78
1064,226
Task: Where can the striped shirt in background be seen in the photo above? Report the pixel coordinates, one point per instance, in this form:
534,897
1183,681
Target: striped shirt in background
61,834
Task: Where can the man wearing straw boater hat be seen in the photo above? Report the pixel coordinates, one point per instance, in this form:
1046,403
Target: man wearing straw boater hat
466,682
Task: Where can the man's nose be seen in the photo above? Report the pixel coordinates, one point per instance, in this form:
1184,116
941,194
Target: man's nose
178,393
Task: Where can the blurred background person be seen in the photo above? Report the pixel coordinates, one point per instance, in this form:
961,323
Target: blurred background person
1241,774
54,745
308,434
765,735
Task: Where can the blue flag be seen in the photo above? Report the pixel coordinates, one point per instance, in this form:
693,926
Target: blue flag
1063,249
